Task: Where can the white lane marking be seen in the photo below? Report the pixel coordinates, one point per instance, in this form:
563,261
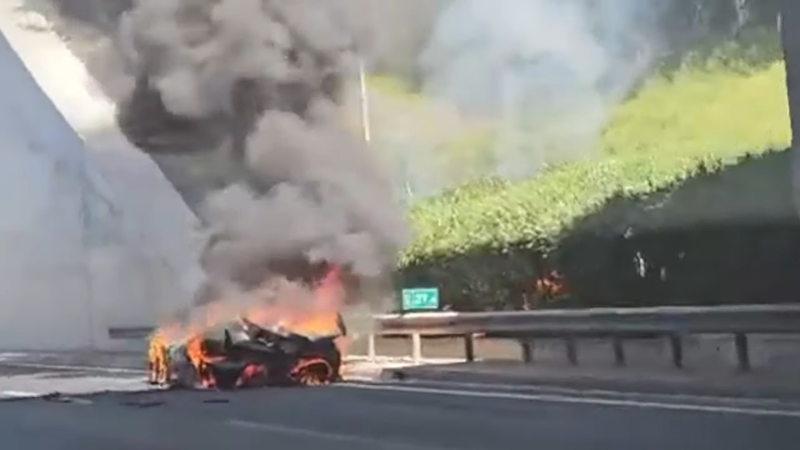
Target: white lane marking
18,394
563,390
33,375
584,399
582,392
405,360
6,395
76,368
360,378
346,438
555,398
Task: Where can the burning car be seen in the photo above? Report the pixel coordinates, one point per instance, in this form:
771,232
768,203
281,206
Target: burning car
245,355
300,347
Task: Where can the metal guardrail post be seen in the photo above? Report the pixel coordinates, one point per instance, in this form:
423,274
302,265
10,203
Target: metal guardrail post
469,347
371,353
527,351
416,348
619,352
572,350
677,350
742,351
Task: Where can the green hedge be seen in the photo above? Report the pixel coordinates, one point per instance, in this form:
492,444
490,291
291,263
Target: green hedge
486,243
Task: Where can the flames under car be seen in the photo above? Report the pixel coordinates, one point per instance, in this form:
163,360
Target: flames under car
244,355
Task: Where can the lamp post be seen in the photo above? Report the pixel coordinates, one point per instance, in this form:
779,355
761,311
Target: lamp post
362,81
366,125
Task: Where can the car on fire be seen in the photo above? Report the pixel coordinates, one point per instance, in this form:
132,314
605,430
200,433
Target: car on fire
242,355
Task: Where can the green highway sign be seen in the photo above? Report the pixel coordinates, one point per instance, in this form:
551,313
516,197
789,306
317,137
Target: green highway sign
418,299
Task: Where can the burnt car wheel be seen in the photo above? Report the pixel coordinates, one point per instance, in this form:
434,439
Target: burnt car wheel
313,372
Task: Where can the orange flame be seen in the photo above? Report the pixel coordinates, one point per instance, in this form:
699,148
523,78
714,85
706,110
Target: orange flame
551,286
251,372
158,370
320,318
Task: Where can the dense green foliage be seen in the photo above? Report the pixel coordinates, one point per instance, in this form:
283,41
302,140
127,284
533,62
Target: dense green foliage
659,137
485,244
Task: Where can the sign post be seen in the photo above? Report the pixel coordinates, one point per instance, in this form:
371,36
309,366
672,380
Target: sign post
420,299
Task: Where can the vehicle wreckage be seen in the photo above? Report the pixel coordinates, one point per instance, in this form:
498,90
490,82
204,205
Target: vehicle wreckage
245,355
298,349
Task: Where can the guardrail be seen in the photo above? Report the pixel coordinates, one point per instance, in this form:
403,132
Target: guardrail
616,324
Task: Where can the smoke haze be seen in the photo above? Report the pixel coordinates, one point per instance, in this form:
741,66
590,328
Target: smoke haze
534,79
547,71
269,77
269,73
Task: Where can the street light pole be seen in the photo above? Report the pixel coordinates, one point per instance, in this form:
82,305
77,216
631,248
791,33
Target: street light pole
362,79
366,125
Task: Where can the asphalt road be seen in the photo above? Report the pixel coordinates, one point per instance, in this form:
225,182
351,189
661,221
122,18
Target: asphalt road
370,416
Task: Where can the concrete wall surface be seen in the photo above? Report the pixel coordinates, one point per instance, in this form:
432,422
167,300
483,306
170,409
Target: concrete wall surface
92,235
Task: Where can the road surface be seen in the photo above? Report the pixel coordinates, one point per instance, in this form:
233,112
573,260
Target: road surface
374,416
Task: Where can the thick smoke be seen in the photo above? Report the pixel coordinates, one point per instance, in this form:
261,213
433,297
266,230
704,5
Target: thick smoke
547,70
269,74
391,33
534,79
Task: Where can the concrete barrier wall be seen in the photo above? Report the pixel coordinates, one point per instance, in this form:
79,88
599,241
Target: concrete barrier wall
110,242
45,296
